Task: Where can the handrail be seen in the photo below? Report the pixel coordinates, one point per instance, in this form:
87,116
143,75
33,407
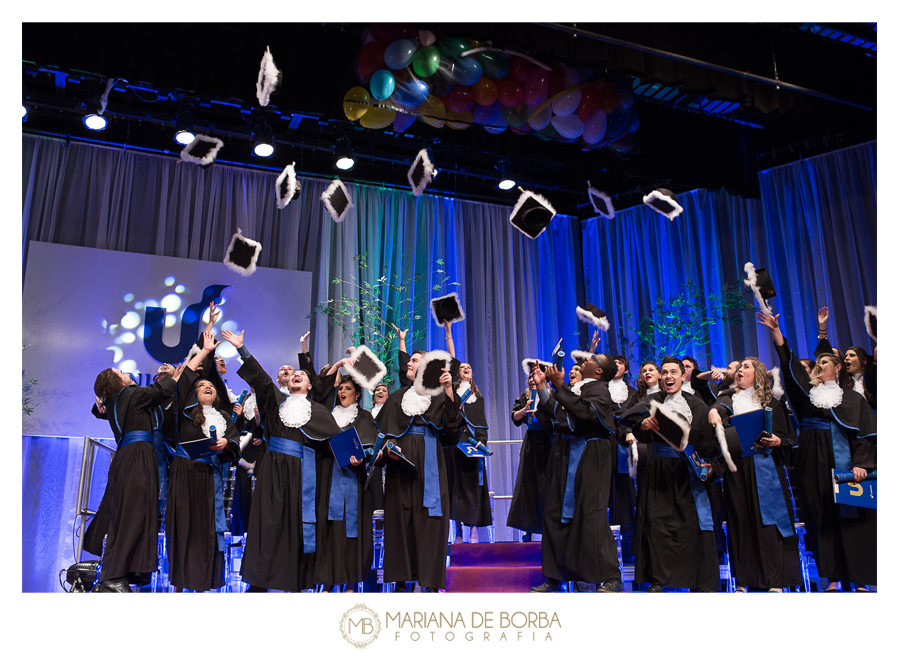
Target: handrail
84,485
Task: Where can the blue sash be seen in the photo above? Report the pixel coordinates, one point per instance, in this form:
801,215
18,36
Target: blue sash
218,493
308,489
576,450
698,490
344,494
840,447
134,436
432,497
772,507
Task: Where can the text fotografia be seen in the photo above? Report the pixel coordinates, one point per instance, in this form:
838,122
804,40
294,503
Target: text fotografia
479,626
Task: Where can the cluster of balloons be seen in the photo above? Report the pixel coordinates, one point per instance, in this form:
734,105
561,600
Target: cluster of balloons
406,74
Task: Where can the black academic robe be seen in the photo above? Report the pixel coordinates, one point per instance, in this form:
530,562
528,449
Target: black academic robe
622,492
582,548
470,502
669,546
415,544
760,556
526,509
274,556
870,375
132,488
843,540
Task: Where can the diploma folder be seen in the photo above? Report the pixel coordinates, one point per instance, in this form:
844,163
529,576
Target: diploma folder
403,463
200,448
469,450
346,445
857,494
749,426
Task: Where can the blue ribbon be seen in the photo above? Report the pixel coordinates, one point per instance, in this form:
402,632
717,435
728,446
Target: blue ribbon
218,493
344,495
840,447
698,490
576,450
432,497
621,459
159,445
535,424
308,490
772,507
135,436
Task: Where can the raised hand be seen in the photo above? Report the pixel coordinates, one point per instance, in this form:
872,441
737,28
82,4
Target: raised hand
234,339
555,376
304,346
209,343
823,316
213,315
400,334
447,382
595,341
770,321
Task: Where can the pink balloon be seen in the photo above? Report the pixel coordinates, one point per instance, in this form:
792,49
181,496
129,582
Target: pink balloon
570,127
426,37
534,90
541,119
594,128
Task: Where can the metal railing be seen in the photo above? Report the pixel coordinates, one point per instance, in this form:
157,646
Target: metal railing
84,488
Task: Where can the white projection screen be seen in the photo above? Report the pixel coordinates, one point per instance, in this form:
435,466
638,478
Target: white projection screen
84,310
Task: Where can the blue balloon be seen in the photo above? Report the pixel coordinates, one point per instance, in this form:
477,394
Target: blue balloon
487,114
412,92
468,71
635,123
400,53
382,84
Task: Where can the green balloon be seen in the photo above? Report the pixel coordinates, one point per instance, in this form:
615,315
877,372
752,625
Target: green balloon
516,116
453,47
426,61
494,64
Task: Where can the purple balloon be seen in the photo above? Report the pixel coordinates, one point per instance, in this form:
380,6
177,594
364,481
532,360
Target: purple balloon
486,114
468,71
402,121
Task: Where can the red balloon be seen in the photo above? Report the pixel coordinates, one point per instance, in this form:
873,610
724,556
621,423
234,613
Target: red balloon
556,84
485,91
387,32
371,57
460,99
535,89
609,99
509,92
519,69
360,78
590,103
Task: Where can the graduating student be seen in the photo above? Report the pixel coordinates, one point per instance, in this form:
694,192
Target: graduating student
195,514
673,538
622,495
376,484
837,431
417,505
577,543
281,538
762,545
526,509
132,490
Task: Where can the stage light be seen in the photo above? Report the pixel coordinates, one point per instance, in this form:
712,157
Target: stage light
506,179
94,122
263,146
184,128
24,112
344,154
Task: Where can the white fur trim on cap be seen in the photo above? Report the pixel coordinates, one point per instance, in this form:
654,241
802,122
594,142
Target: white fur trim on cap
590,318
777,389
606,208
750,281
434,355
723,446
579,355
633,461
526,365
871,312
210,156
675,417
326,199
426,178
462,313
268,80
251,268
656,195
521,201
289,173
367,383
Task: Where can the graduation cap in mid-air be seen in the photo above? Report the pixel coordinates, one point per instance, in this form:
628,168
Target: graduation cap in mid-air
337,200
532,214
580,356
202,150
871,321
601,202
428,374
447,309
242,254
592,315
269,80
365,368
673,427
759,281
421,172
528,364
286,187
663,202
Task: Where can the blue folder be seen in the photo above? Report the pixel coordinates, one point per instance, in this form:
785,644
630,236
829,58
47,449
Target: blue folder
345,445
861,494
200,448
749,426
469,450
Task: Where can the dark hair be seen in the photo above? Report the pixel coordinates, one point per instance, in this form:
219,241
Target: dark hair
607,366
423,352
107,383
672,359
347,379
692,360
861,354
471,383
197,411
642,385
623,359
809,362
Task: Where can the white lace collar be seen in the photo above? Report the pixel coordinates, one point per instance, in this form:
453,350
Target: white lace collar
745,400
826,395
295,411
653,389
249,406
345,416
576,389
284,389
687,388
463,387
858,384
374,411
618,390
679,404
414,404
212,416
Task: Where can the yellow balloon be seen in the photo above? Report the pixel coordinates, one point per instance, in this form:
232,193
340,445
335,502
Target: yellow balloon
432,111
356,103
378,117
459,120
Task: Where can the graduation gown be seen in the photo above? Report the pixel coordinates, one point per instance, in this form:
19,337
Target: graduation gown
280,551
843,539
132,488
470,502
622,493
526,509
870,374
415,543
760,555
376,484
580,546
669,546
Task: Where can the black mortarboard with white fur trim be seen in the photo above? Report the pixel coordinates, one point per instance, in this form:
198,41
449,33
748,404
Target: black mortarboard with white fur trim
242,254
723,446
532,214
421,172
269,80
202,150
759,281
592,315
447,309
663,202
365,368
674,428
429,371
601,202
580,356
527,365
286,187
871,319
337,200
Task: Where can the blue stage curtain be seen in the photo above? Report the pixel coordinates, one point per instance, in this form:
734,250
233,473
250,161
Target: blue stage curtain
814,230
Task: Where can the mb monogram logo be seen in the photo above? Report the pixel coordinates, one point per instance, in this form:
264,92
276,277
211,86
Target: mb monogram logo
360,626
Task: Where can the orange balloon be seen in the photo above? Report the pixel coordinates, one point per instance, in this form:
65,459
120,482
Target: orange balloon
459,120
432,111
485,91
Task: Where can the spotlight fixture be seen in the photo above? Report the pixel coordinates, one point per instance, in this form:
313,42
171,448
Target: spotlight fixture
263,146
506,181
24,112
184,127
93,113
344,154
94,122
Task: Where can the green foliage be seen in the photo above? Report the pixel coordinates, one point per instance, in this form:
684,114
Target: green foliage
27,385
679,324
